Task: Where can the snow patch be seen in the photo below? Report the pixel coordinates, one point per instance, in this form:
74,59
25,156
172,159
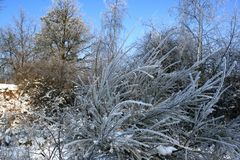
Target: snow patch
163,150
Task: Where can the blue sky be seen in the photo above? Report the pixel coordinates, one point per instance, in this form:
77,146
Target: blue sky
139,12
90,9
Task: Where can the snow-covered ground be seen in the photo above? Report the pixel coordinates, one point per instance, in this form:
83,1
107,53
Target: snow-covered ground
12,87
20,138
14,138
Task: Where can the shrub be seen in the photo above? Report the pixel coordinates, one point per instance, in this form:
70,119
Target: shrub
143,113
46,80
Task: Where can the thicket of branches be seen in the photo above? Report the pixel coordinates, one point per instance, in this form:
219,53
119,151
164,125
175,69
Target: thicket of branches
177,98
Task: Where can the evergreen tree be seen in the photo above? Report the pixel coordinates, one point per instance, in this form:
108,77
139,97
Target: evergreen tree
63,31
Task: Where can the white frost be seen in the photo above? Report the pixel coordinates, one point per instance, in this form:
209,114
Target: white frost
162,150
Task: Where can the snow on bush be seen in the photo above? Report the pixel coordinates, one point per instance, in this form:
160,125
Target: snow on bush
163,150
143,112
136,111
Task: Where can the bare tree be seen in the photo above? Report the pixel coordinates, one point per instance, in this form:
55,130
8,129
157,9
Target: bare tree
17,44
112,25
195,17
106,46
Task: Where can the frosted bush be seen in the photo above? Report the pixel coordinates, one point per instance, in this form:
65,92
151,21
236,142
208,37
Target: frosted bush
138,112
142,112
